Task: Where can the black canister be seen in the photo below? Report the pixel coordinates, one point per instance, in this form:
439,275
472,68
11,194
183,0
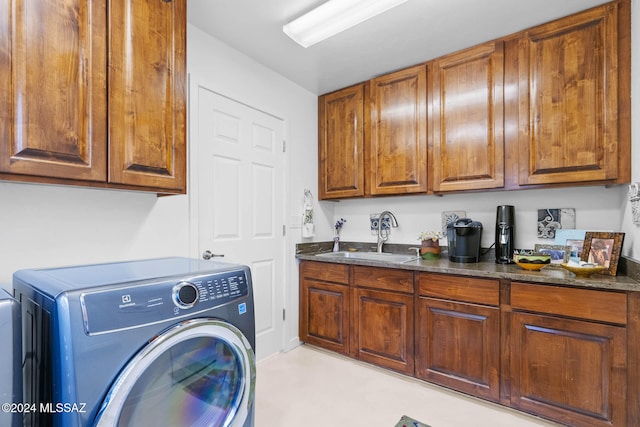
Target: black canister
505,234
464,237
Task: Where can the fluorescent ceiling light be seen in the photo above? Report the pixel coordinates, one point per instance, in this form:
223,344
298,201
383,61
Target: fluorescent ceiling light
333,17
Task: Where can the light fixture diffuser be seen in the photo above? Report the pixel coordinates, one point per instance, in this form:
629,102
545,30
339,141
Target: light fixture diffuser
333,17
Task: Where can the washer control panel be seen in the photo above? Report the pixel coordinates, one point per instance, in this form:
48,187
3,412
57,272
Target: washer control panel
139,304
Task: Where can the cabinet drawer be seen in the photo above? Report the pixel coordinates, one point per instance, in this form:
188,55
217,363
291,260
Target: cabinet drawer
383,278
589,304
337,273
467,289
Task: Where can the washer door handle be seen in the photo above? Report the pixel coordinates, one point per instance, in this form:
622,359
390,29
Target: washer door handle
208,255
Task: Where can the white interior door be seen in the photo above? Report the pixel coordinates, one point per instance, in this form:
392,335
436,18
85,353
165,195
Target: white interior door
240,193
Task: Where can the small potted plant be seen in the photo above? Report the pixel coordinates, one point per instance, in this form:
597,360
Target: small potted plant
430,248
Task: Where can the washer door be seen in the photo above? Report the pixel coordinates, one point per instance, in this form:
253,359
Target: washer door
200,372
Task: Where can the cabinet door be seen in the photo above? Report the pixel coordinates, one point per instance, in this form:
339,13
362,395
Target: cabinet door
466,98
383,329
569,99
341,143
147,97
397,132
458,346
324,315
53,89
569,370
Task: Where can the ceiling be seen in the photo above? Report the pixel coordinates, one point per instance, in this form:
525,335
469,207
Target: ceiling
411,33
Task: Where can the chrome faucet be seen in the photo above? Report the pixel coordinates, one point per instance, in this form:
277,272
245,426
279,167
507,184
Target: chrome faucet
383,233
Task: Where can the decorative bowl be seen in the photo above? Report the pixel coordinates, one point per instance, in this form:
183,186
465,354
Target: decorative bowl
584,271
533,261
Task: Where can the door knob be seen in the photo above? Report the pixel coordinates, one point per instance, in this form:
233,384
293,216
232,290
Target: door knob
208,255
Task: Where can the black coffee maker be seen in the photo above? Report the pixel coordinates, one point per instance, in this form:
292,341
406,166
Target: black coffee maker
505,234
464,236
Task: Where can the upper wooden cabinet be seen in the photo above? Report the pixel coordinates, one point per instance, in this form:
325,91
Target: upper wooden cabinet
341,143
396,134
373,137
147,97
93,93
466,151
548,106
53,105
568,76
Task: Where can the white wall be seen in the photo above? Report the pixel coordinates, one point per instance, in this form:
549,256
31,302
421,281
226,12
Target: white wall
44,225
597,208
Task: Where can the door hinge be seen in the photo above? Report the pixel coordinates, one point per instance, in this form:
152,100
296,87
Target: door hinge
284,230
284,316
284,146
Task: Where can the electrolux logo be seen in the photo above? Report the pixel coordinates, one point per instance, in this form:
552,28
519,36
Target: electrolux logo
127,301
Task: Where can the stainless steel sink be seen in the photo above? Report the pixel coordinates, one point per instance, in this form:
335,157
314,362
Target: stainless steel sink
372,256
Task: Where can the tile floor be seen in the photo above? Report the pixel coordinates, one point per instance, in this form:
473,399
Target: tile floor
310,387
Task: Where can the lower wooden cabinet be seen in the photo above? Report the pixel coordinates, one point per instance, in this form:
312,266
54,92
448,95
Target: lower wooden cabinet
324,306
571,371
458,346
383,328
553,351
458,334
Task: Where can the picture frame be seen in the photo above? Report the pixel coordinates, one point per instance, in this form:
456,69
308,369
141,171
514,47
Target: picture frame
573,238
559,253
603,248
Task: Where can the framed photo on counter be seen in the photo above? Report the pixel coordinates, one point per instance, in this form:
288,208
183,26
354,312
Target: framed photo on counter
559,253
572,238
603,248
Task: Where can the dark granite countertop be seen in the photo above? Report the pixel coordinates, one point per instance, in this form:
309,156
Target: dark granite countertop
485,268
